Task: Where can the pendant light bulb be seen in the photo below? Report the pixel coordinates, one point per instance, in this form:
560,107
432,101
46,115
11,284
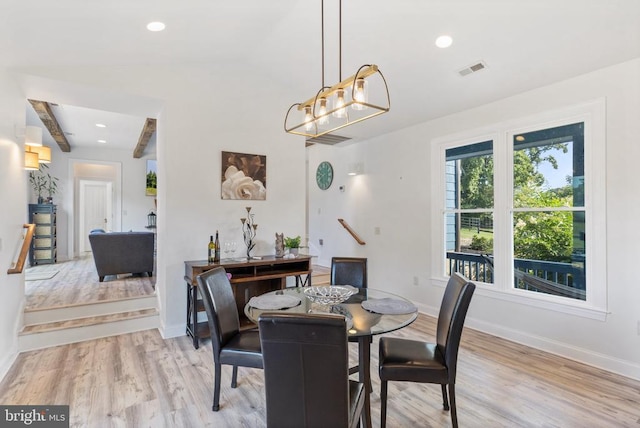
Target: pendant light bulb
360,94
323,119
339,104
308,118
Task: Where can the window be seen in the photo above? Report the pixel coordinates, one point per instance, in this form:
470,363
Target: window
518,210
469,210
548,211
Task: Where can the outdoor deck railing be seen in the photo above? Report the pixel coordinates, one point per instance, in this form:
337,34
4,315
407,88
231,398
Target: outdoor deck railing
562,279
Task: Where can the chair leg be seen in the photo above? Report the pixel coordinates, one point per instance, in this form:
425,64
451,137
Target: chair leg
383,404
234,377
454,413
445,401
216,388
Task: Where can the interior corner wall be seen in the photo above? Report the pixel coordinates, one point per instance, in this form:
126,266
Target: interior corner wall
389,205
13,212
190,208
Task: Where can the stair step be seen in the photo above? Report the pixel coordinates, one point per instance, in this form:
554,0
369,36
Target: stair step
46,335
86,321
93,309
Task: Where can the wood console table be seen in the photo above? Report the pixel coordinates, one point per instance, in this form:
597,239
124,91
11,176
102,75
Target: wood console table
248,279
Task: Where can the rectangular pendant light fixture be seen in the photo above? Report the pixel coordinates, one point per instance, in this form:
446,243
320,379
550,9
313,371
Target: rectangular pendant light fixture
359,97
31,161
44,153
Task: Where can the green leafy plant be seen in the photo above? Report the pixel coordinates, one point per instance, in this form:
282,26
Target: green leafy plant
52,185
292,242
42,181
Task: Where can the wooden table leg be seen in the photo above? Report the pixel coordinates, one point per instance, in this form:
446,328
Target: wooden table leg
364,345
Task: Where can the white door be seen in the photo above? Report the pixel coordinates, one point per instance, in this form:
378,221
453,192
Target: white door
95,209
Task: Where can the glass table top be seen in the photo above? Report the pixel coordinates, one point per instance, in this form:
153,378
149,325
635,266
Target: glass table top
360,321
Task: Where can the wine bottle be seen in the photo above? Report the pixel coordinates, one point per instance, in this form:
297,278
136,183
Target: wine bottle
212,250
216,256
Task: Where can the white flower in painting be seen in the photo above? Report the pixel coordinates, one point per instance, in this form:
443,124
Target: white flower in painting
236,185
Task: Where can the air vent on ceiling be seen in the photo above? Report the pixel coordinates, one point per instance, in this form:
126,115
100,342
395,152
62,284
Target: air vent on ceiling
480,65
329,139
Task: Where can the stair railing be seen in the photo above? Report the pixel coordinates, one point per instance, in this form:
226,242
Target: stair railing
18,265
351,232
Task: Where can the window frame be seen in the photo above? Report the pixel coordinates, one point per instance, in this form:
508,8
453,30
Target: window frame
502,134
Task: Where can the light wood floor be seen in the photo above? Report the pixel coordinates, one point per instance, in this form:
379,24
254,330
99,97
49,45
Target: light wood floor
141,380
77,282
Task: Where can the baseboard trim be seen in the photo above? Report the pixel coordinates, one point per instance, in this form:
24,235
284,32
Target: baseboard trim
605,362
172,331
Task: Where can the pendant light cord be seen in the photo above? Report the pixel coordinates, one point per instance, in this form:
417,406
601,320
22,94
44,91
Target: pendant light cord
322,32
340,43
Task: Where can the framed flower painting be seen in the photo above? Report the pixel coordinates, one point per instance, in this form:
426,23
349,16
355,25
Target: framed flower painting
244,176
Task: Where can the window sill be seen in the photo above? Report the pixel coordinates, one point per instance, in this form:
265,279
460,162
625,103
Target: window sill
537,300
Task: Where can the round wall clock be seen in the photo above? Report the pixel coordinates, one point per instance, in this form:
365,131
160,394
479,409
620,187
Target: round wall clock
324,175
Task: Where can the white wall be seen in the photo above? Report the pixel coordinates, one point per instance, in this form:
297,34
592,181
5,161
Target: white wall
199,115
13,211
394,195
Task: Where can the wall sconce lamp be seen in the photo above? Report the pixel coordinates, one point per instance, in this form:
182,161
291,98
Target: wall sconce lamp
44,153
31,161
356,168
35,153
33,136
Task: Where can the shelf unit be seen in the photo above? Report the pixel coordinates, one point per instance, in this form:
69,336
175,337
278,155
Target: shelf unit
43,245
248,279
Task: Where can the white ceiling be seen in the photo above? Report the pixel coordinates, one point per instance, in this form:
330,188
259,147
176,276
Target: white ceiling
525,44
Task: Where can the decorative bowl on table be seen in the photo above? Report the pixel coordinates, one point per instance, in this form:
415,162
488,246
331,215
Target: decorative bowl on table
329,294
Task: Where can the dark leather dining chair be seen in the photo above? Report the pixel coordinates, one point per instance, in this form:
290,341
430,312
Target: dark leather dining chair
305,370
416,361
230,345
349,271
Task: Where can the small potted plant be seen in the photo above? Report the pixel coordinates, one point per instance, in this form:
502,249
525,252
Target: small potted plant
293,244
51,187
38,180
42,182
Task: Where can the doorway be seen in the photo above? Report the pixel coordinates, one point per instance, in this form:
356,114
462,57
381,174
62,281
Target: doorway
95,210
96,196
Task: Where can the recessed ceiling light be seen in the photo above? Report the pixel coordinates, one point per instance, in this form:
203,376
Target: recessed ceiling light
444,41
519,138
102,141
100,125
156,26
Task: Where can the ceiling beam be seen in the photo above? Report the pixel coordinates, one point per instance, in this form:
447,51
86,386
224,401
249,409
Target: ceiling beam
43,109
147,131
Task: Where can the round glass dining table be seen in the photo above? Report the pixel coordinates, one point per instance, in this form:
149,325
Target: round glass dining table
362,324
